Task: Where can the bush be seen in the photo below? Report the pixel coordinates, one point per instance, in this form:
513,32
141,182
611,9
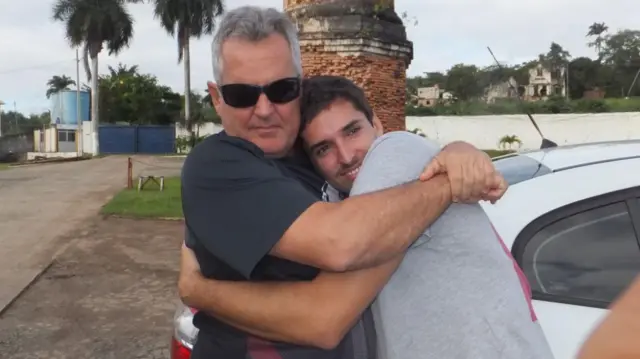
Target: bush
185,143
591,106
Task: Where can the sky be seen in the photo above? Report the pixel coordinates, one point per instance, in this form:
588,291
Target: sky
33,47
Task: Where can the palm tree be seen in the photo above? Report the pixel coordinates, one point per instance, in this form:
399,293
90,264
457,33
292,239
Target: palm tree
597,29
59,83
206,99
92,24
418,132
186,19
508,141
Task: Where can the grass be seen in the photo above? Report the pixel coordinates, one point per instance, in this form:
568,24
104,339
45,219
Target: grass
148,203
4,166
151,203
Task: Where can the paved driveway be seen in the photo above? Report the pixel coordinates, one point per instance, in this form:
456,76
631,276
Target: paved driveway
40,203
110,295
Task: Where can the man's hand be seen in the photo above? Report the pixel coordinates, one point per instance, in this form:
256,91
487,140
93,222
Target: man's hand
189,273
471,172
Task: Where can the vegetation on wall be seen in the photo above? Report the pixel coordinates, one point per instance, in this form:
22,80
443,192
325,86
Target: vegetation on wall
612,71
510,107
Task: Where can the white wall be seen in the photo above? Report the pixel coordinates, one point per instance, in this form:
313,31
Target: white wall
205,129
86,138
485,131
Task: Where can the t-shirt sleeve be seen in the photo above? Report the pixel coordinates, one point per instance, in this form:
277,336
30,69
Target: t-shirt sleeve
238,205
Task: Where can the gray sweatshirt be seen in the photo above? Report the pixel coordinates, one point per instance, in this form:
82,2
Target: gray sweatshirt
458,293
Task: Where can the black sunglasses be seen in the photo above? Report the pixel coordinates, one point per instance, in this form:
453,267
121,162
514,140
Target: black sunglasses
245,95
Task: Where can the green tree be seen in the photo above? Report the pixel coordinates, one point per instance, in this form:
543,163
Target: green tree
621,53
59,83
556,59
185,19
584,74
17,123
462,81
134,98
595,31
92,24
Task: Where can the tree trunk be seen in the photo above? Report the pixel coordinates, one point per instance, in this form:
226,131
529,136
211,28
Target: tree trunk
187,87
95,100
85,63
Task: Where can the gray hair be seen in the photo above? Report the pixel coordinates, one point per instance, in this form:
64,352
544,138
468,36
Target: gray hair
254,23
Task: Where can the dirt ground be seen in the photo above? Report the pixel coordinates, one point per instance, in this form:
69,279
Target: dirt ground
110,294
41,203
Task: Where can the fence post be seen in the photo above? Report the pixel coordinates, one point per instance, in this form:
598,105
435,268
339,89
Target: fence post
129,173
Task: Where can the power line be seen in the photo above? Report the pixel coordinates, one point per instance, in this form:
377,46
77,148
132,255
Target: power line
36,67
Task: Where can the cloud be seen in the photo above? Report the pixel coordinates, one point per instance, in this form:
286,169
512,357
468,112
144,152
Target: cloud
33,48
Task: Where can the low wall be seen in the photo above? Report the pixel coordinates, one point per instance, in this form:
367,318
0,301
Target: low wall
205,129
485,131
49,155
564,129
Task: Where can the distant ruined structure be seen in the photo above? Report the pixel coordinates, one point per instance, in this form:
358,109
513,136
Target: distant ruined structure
363,40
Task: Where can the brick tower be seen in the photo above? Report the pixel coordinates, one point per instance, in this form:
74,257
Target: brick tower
363,40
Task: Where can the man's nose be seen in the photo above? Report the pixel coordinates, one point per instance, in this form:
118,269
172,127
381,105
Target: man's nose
264,107
345,154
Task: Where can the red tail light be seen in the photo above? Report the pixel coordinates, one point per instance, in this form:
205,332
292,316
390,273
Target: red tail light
179,351
184,333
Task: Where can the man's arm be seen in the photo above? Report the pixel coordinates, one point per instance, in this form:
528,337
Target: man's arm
242,208
382,221
366,230
317,313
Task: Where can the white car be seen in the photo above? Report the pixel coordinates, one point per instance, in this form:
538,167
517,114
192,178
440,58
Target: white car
572,219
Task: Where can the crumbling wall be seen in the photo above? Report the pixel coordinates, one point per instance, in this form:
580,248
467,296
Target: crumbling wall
363,40
15,147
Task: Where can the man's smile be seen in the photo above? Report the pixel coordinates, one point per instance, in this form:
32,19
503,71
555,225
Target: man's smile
352,173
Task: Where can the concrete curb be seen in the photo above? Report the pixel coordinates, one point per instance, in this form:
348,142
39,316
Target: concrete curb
181,219
26,287
37,276
46,161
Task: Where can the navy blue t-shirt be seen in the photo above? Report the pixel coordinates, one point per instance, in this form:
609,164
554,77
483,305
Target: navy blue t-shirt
237,205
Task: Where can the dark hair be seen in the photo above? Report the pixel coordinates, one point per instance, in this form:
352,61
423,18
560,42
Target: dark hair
320,92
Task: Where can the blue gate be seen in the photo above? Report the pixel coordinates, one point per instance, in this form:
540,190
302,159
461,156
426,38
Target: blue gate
147,139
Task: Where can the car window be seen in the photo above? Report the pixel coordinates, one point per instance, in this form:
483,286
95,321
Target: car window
591,255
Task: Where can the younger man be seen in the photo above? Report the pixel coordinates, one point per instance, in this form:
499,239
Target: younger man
456,294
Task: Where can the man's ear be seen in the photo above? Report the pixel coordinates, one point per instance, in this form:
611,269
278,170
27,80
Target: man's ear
216,99
377,124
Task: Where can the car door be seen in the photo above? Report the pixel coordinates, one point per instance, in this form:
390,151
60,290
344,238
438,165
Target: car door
578,259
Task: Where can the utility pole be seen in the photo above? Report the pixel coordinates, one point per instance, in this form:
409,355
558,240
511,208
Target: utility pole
1,103
15,111
79,137
566,86
632,84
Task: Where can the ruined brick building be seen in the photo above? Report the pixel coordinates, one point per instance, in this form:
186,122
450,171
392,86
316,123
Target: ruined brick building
364,40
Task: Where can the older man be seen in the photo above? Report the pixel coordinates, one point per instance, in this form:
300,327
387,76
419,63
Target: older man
252,200
457,293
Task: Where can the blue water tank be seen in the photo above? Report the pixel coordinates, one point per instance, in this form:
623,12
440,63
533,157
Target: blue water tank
63,107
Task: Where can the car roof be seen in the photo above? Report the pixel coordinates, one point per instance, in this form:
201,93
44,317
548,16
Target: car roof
523,166
544,180
562,157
